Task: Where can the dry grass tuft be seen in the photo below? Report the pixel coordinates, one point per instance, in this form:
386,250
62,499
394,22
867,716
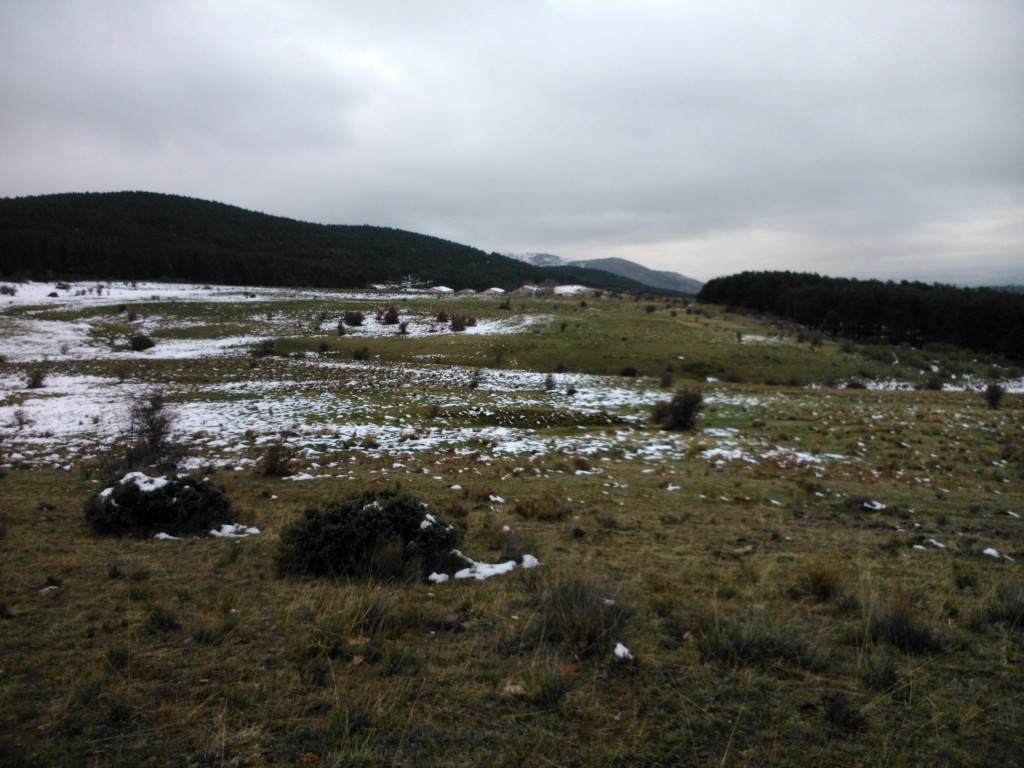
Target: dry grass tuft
1005,603
895,618
758,639
578,613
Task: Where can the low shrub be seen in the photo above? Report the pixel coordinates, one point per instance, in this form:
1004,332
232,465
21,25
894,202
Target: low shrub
681,412
994,395
140,342
386,534
276,461
353,318
265,348
142,506
934,383
36,378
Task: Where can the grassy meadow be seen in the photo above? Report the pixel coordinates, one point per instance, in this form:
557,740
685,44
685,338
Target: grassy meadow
826,570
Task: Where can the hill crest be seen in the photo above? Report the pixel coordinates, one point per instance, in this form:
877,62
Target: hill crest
155,236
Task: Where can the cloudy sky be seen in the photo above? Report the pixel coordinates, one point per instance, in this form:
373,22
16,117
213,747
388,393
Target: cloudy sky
876,138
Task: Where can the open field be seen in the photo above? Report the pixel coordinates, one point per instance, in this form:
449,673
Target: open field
817,574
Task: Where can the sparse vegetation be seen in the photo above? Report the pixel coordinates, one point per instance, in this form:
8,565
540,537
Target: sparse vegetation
809,574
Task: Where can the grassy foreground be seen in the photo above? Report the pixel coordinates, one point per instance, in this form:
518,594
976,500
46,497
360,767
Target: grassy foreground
806,578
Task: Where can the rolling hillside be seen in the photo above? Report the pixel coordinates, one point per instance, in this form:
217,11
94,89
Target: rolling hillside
150,236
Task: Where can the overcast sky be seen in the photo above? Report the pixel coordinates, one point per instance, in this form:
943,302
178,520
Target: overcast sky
868,138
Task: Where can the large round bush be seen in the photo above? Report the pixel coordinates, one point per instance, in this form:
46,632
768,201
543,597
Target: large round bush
381,533
138,505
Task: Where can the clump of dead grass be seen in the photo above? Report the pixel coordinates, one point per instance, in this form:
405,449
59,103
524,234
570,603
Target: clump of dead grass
1004,604
760,638
576,612
896,618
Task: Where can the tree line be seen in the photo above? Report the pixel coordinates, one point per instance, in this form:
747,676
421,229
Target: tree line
980,319
150,236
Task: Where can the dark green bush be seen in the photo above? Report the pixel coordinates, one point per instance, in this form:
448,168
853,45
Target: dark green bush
140,342
994,395
370,533
136,507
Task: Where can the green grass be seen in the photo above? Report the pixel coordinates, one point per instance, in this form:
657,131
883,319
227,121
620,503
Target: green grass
775,617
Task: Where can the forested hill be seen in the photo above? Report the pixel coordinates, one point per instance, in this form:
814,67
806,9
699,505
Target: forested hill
149,236
981,319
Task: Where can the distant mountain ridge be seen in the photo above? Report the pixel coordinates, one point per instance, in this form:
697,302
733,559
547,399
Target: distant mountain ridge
672,281
153,236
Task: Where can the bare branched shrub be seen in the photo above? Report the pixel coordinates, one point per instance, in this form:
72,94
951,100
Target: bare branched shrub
681,412
276,461
144,441
22,419
36,378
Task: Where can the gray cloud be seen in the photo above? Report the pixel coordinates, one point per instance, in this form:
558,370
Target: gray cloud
874,139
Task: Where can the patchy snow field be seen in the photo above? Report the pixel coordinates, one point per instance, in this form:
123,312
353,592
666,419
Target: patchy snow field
330,411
